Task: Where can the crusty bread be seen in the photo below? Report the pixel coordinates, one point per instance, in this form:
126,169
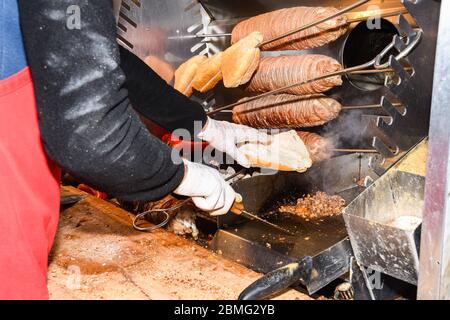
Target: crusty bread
241,60
286,152
161,67
185,74
208,73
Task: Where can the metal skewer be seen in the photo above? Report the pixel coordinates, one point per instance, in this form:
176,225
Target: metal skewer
368,106
372,71
238,209
200,35
349,21
384,15
385,70
283,89
252,216
317,22
356,150
362,107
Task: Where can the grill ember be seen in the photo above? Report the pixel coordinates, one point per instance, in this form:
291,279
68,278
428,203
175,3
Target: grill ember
319,205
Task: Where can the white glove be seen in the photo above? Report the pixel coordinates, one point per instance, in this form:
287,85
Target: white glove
224,136
209,191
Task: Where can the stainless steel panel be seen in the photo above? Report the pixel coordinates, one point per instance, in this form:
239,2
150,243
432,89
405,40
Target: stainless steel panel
160,28
378,242
404,131
434,277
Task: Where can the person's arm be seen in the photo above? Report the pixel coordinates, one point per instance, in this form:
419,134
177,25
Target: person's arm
156,100
152,97
86,120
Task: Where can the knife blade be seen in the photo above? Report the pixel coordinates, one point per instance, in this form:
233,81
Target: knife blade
238,209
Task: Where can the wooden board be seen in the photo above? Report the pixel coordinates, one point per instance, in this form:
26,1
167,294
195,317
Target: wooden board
98,255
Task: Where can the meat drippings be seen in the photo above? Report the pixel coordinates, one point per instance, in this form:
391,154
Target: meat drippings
319,205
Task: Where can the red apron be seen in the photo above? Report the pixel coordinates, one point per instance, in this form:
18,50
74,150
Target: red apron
29,194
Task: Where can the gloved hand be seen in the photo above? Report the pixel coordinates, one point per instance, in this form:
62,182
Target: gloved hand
224,136
209,191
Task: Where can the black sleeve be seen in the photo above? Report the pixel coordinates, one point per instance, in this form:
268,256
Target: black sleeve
155,99
86,120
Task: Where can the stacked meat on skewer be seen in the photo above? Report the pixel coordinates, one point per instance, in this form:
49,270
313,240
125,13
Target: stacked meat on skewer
301,106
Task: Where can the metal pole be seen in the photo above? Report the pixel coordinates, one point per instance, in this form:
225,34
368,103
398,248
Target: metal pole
317,22
434,268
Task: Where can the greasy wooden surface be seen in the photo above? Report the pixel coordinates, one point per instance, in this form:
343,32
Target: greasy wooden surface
97,255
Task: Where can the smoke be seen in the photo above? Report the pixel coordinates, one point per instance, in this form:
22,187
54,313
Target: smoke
346,130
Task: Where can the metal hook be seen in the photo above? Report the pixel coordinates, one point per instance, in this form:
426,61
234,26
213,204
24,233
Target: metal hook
404,53
141,216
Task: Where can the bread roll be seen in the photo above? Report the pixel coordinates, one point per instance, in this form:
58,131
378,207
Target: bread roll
185,74
208,73
286,152
241,60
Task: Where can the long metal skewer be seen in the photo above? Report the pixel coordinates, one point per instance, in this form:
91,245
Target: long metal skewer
349,21
368,106
317,22
383,15
285,88
304,27
361,107
356,150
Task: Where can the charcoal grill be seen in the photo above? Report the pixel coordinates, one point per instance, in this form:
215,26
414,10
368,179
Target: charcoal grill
387,114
